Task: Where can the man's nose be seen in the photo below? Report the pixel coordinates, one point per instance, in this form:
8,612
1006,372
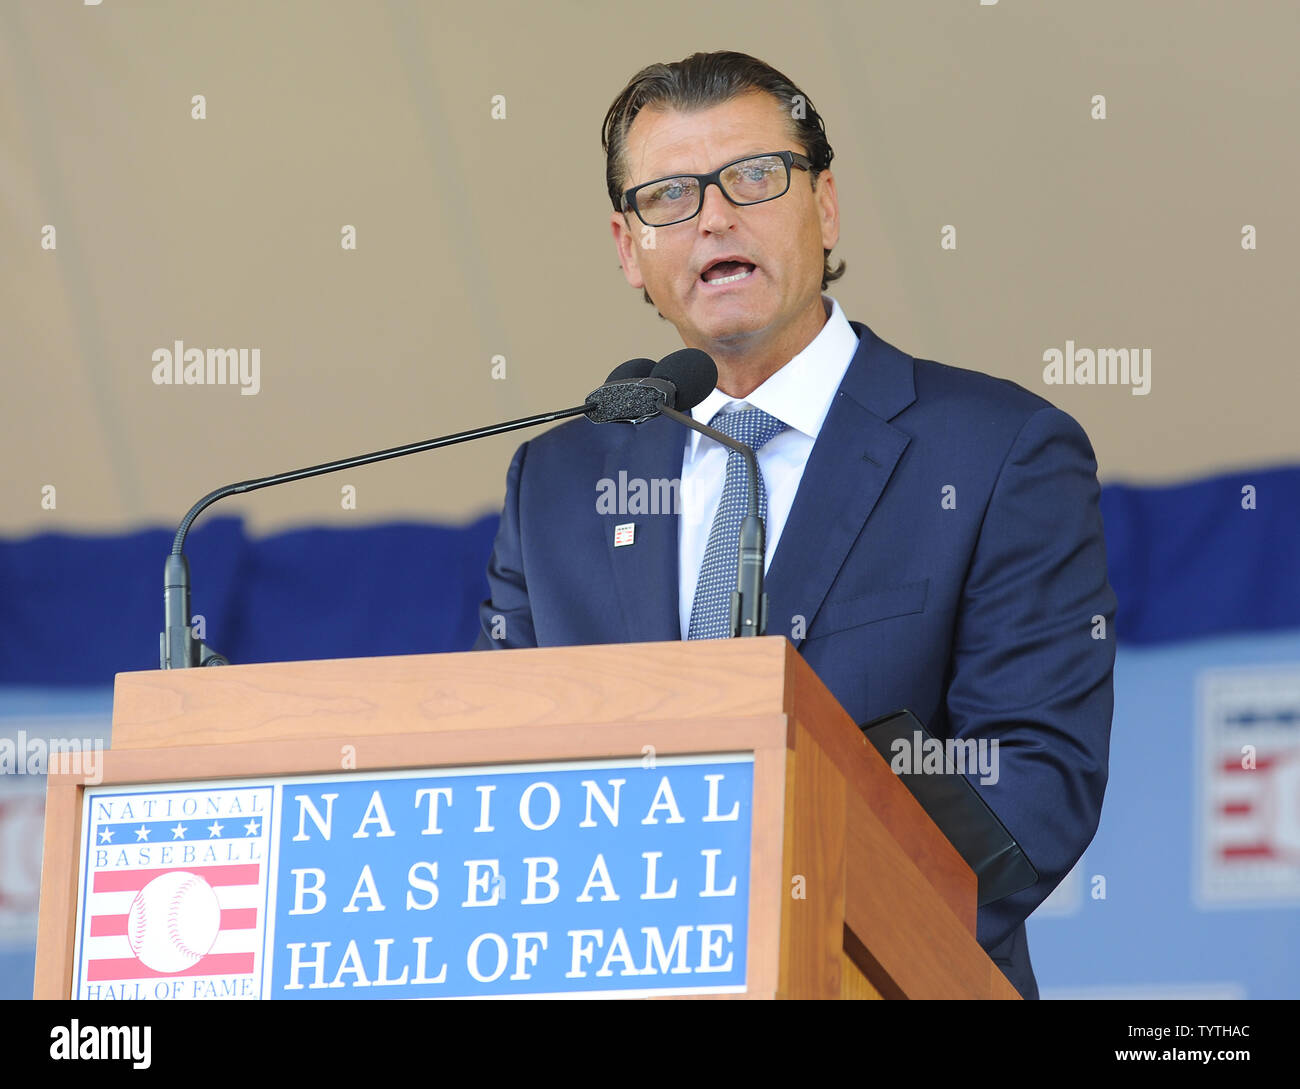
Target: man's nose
717,213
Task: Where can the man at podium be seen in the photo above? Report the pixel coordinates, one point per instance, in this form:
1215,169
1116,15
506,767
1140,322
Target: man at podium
934,540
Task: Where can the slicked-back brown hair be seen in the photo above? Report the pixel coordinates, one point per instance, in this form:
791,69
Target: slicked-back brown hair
699,82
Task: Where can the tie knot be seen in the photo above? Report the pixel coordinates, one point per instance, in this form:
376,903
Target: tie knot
752,426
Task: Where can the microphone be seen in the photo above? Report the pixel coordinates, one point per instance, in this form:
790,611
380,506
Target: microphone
631,371
676,384
686,376
178,649
639,389
623,398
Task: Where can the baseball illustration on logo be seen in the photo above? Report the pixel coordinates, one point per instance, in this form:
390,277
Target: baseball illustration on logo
174,921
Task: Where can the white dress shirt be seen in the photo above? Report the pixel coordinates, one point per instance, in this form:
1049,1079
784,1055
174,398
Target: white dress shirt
799,395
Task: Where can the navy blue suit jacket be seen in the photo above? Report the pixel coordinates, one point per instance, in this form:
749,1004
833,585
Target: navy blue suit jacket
989,615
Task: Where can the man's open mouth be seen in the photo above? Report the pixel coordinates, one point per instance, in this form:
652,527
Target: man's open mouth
727,272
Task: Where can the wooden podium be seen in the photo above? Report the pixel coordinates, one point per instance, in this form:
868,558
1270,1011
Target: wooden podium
853,892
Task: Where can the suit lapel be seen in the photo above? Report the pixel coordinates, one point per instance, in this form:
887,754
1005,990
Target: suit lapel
850,464
645,571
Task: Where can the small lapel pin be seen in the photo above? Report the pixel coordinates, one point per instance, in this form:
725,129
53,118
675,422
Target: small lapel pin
623,534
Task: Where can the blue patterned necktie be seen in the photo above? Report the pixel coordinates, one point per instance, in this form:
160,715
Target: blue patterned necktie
711,608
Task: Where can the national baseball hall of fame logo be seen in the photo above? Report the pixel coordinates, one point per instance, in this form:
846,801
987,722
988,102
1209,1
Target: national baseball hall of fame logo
599,877
1249,787
174,890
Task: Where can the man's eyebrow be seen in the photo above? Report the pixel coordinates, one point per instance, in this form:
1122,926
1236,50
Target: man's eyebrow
678,173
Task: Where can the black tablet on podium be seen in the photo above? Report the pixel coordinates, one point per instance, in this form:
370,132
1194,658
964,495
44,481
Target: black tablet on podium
952,803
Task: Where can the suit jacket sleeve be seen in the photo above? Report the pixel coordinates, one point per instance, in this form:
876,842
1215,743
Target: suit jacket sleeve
505,618
1033,654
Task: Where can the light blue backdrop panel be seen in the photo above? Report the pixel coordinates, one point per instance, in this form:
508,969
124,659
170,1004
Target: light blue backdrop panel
1149,935
59,712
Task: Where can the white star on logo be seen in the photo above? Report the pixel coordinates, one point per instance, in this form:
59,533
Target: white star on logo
214,829
250,829
179,831
141,833
106,835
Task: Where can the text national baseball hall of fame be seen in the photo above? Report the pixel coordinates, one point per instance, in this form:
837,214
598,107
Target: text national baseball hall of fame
540,879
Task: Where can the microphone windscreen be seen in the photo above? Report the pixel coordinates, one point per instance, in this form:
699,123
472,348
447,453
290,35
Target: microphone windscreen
631,370
692,371
623,403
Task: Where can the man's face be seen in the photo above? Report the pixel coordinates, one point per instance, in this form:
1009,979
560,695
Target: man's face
783,238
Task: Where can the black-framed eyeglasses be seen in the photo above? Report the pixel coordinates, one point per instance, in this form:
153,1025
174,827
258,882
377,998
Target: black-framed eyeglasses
751,180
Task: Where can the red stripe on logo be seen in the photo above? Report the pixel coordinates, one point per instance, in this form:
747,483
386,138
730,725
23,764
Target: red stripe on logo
1254,850
1262,763
111,926
238,918
133,880
107,926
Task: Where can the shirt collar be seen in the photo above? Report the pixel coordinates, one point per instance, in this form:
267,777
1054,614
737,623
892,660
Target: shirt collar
800,393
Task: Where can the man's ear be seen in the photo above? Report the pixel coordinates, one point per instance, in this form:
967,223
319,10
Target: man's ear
625,239
828,209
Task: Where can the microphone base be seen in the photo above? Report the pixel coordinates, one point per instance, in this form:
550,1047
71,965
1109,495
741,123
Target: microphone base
748,621
210,657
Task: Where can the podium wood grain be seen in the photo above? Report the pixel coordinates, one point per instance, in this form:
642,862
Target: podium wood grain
853,891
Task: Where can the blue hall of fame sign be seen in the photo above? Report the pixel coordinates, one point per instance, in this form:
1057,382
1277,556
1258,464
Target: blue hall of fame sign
580,878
